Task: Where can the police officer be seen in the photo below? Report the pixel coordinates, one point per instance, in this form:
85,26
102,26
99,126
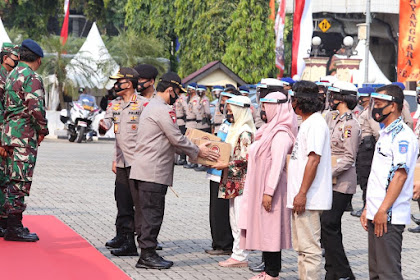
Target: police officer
370,133
8,61
124,112
146,82
218,113
154,165
24,114
204,116
193,103
181,108
345,140
287,83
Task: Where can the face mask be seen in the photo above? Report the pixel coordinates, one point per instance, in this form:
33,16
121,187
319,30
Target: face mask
230,118
221,108
333,106
141,87
263,116
378,114
118,88
15,62
322,97
172,100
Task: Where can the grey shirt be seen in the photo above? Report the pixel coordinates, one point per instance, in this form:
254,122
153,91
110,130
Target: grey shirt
159,140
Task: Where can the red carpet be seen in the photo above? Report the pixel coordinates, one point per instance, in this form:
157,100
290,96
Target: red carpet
60,254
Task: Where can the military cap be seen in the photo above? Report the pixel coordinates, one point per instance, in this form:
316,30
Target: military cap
146,71
125,73
201,87
289,81
217,88
192,86
33,47
401,85
365,91
10,48
174,79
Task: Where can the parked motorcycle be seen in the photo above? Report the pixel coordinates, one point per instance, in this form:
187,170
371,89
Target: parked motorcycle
78,121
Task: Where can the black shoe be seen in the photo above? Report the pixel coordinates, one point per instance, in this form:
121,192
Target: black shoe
159,247
258,268
2,231
20,234
349,207
200,168
128,248
414,230
116,242
190,166
417,221
357,213
218,252
153,261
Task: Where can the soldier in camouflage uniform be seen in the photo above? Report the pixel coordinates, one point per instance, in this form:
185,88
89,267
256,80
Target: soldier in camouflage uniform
8,60
25,126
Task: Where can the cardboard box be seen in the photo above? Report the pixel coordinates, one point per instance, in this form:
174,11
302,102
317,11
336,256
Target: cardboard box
223,149
192,133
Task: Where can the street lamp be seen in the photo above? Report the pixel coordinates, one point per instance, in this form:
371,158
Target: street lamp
316,49
348,42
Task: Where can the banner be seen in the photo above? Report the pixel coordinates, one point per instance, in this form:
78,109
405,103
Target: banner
272,9
409,42
302,35
65,29
279,30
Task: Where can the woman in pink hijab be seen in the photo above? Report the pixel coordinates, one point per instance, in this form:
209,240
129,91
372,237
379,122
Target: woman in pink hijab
265,221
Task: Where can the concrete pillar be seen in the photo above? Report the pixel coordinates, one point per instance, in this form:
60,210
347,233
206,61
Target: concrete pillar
345,68
315,68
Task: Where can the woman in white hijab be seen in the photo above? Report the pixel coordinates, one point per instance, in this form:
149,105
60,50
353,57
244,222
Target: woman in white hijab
240,136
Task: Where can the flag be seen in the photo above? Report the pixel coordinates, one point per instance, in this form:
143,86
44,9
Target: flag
65,29
409,44
272,9
279,30
302,35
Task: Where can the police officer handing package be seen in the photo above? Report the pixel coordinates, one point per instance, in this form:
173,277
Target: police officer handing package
124,112
154,165
370,133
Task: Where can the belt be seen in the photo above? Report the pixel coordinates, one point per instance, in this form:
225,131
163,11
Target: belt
190,120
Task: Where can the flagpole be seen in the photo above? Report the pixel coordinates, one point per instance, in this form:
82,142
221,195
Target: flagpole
291,49
367,51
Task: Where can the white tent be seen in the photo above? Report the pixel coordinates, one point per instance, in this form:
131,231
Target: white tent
4,38
376,76
92,65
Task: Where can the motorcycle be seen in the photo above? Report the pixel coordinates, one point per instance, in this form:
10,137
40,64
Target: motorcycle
78,121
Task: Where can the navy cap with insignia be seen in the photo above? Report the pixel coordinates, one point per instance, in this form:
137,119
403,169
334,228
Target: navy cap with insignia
288,80
201,87
244,89
192,86
33,47
401,85
217,88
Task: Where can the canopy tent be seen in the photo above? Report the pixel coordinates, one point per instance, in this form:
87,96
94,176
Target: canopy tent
4,38
92,65
376,76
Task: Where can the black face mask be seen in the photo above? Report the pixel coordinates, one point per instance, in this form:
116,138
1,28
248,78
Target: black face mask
380,112
322,97
172,100
118,88
221,108
229,118
141,87
263,116
333,106
15,63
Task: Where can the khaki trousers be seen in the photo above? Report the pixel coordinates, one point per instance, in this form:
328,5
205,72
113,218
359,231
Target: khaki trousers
306,236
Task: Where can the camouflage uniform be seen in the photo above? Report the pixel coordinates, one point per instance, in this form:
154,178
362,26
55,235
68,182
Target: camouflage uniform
24,120
3,180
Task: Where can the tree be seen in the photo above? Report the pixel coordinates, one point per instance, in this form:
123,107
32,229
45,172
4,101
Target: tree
250,51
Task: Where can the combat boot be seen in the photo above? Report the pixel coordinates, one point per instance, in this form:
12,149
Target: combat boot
3,226
117,241
128,248
151,260
16,232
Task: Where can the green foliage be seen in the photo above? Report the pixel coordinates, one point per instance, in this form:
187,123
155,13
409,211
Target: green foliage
250,50
129,49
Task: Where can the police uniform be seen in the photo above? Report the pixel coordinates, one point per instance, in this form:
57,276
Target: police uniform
345,140
204,115
192,112
153,168
218,118
125,116
397,148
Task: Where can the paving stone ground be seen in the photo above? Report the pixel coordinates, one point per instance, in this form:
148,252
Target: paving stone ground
74,182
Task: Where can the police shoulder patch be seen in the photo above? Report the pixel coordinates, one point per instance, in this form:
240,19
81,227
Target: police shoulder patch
347,131
403,146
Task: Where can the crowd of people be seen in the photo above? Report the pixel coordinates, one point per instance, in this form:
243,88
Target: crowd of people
296,159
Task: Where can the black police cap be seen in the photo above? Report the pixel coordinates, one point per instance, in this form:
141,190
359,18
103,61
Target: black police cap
173,78
146,71
125,73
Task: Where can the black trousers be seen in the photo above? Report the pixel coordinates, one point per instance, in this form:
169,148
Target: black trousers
336,262
272,262
183,130
221,232
125,206
385,252
208,130
151,199
364,163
